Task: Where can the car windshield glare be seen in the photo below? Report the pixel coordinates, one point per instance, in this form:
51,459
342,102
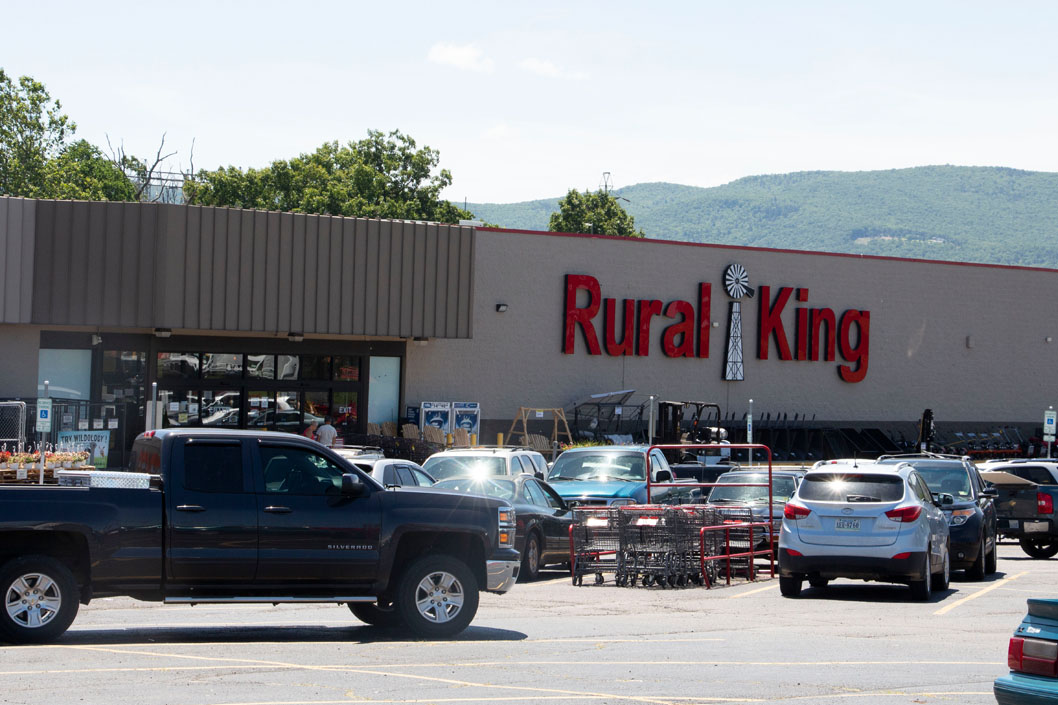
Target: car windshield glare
953,481
599,466
782,489
443,468
852,487
502,489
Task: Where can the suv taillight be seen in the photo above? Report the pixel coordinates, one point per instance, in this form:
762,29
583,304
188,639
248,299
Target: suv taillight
904,514
1035,656
1044,503
795,511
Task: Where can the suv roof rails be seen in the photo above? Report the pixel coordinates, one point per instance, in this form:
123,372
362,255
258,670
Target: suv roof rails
488,447
923,454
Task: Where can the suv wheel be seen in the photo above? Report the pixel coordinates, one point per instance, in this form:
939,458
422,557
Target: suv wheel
40,600
922,590
942,579
990,559
437,596
977,570
790,587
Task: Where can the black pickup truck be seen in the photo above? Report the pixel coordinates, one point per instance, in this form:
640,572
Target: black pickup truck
250,517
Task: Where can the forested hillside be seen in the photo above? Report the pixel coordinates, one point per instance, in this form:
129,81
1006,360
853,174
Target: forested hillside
970,214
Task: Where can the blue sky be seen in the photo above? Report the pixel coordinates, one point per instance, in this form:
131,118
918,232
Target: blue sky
527,101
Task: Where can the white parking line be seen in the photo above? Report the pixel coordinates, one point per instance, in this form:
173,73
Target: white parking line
752,592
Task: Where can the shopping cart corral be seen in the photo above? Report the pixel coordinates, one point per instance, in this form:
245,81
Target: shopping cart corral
670,546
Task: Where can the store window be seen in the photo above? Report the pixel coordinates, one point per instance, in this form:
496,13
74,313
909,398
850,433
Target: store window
347,368
261,366
221,366
68,373
123,375
177,366
287,366
316,367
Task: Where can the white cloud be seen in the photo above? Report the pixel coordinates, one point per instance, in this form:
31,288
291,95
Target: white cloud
545,68
467,57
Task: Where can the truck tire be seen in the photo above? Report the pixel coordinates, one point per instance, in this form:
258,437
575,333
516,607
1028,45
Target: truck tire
531,559
437,596
371,613
40,600
1040,548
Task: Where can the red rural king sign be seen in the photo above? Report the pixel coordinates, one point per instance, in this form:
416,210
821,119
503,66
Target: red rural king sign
817,333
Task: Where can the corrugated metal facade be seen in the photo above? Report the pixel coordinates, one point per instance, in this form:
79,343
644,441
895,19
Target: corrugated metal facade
223,269
17,219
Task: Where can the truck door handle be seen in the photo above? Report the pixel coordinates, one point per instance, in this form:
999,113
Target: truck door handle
278,510
190,508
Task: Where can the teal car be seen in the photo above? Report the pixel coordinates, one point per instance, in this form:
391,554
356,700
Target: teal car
614,476
1033,659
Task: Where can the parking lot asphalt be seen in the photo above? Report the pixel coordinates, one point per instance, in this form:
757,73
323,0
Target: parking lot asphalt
549,641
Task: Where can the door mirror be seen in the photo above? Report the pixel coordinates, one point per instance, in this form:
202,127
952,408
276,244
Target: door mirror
990,492
663,476
353,486
946,499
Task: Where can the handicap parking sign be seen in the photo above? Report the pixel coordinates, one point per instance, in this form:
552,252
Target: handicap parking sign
44,416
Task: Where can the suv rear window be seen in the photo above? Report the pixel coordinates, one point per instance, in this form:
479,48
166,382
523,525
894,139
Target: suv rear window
852,487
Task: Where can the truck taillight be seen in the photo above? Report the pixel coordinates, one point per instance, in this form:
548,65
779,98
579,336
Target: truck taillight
1044,503
904,514
1035,656
795,511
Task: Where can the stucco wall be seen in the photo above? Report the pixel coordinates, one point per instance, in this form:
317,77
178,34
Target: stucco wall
20,346
921,314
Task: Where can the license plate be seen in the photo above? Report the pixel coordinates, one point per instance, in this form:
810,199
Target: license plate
847,524
1012,523
1036,526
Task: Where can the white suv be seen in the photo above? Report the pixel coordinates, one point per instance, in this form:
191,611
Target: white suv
867,521
484,461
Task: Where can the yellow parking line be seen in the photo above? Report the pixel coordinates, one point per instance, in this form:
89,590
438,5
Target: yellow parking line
973,596
752,592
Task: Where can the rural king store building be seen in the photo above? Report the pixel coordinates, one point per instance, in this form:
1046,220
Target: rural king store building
252,319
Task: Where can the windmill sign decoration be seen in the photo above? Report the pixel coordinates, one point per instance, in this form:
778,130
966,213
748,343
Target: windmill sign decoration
736,282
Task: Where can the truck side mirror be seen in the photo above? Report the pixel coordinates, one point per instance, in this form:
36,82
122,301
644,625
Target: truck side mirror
663,476
353,486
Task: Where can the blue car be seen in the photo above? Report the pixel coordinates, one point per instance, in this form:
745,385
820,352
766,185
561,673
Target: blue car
613,476
1033,659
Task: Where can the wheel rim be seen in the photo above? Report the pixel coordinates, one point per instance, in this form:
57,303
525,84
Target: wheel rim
533,556
439,597
33,600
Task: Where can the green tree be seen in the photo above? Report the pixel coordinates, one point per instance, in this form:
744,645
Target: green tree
592,212
33,131
37,160
381,176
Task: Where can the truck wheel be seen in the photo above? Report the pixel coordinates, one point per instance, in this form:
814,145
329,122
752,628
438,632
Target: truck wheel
531,559
40,600
1039,548
790,587
371,613
437,596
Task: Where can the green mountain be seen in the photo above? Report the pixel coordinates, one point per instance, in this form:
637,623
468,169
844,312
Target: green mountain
966,214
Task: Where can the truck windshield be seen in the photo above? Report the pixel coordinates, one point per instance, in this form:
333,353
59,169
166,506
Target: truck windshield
782,489
443,468
599,466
